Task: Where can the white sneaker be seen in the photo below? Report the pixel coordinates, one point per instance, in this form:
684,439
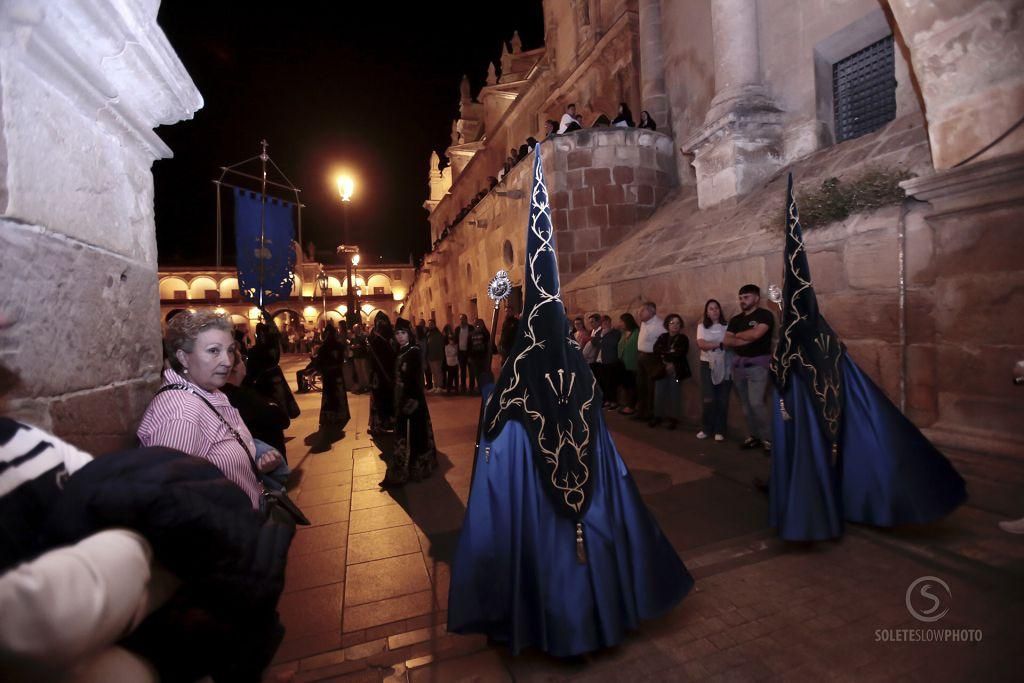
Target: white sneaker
1013,527
702,435
719,437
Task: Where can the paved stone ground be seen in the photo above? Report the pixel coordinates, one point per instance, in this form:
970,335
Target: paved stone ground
367,584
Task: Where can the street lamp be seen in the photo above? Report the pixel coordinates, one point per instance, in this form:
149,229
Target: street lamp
346,188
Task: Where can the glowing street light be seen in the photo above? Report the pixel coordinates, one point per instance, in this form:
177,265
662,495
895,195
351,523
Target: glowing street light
346,187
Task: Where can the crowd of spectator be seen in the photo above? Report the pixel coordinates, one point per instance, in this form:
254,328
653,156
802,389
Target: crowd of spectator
641,367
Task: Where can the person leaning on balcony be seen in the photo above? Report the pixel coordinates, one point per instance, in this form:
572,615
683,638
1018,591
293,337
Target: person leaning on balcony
646,121
624,119
570,120
550,129
195,416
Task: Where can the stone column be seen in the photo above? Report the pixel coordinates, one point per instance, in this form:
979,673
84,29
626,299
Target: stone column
653,95
739,144
84,84
968,59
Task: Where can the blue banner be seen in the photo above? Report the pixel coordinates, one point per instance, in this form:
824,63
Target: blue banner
264,271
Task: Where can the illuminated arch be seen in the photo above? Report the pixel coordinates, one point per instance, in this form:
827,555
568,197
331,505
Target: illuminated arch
378,280
200,285
170,285
228,287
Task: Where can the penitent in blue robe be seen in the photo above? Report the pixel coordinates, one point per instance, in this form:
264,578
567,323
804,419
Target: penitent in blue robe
516,576
886,472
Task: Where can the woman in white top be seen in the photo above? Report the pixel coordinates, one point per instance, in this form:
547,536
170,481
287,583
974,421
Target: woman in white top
715,371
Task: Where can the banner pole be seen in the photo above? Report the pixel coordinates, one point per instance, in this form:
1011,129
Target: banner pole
263,211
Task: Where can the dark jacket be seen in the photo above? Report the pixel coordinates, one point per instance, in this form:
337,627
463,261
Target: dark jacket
479,341
508,334
265,419
223,620
609,346
435,345
673,351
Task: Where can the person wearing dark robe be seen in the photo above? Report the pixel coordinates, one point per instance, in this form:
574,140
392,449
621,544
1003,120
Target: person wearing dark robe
413,456
842,452
381,352
624,119
265,419
263,371
508,334
557,550
334,412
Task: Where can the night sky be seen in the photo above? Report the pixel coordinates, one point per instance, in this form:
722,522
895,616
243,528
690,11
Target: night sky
328,86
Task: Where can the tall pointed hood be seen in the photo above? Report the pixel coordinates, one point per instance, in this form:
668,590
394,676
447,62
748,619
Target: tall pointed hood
806,340
545,384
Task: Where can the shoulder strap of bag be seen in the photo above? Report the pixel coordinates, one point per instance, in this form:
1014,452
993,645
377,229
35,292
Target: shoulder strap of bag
234,432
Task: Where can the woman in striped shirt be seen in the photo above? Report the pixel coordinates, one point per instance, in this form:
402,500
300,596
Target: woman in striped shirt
200,350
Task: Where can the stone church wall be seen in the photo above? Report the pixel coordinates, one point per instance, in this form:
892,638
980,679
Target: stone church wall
82,85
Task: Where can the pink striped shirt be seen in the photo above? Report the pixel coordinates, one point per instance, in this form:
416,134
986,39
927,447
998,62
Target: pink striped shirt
179,420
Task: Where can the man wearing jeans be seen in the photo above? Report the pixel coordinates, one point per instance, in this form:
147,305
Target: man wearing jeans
750,336
648,363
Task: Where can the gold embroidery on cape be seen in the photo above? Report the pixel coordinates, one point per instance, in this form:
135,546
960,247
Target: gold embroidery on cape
823,387
571,489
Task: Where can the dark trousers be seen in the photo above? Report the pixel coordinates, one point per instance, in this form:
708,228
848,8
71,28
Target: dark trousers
647,364
464,374
300,380
451,377
477,364
716,401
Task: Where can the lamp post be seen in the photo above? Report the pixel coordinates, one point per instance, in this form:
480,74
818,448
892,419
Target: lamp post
346,188
322,282
354,261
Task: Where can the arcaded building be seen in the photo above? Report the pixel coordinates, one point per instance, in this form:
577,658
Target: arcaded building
899,120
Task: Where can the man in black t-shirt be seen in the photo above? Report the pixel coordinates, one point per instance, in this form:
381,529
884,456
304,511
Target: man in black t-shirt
749,335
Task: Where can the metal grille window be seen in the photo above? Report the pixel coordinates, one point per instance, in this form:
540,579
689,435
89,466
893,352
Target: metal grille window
864,90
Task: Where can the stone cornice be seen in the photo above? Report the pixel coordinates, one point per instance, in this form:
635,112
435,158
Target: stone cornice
111,57
991,182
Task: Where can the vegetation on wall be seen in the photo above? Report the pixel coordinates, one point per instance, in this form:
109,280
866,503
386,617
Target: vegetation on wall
837,199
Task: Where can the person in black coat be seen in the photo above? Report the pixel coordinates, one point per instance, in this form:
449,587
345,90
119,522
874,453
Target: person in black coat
479,351
334,412
263,371
265,419
382,378
672,346
413,456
